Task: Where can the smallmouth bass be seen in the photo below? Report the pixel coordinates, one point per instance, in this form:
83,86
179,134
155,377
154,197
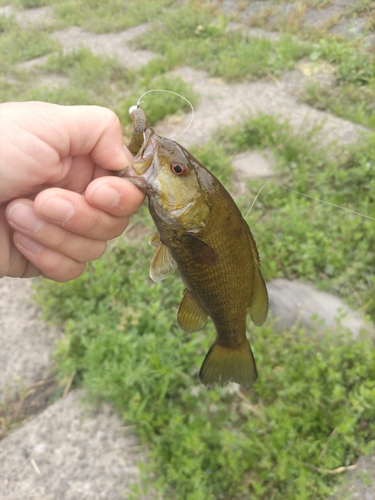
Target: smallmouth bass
202,234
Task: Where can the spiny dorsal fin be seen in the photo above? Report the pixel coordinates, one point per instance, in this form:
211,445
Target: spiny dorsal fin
259,303
162,263
191,318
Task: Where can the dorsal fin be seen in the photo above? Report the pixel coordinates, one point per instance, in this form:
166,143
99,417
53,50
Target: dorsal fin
259,303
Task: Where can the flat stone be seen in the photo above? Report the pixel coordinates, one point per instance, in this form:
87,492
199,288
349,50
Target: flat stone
7,10
254,164
26,343
255,9
29,17
345,3
229,7
318,18
296,303
284,11
350,28
273,36
223,104
109,44
68,453
369,41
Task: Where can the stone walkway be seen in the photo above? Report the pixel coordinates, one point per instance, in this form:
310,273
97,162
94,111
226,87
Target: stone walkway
67,452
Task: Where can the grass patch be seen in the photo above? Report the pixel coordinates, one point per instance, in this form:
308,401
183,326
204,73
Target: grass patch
19,44
121,336
122,340
303,238
355,82
191,34
360,102
108,17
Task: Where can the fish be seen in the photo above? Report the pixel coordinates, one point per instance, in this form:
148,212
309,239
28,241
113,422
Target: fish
202,234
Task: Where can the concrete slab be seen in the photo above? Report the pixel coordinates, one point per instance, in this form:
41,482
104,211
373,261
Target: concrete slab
26,343
68,453
109,44
223,104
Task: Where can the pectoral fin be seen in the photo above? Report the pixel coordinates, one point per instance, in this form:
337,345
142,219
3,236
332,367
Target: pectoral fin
162,263
154,240
191,318
202,252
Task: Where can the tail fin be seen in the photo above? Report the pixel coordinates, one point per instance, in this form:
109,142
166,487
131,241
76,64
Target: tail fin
225,364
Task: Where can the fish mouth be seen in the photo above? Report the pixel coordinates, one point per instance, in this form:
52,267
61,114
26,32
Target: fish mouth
140,171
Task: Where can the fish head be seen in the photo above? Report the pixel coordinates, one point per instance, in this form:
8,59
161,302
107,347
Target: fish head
175,182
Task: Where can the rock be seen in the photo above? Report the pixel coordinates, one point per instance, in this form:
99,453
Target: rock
296,303
254,164
67,453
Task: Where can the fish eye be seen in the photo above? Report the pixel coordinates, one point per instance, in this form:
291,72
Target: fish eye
179,169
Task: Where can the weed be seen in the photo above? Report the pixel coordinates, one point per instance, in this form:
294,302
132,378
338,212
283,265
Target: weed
191,36
21,44
105,17
122,340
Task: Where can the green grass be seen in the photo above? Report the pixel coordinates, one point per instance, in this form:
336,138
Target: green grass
355,82
302,237
120,329
104,17
192,36
122,340
18,44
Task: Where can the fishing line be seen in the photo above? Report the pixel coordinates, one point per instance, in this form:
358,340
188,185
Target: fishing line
139,102
307,196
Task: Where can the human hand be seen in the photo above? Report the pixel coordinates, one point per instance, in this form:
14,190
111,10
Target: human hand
57,206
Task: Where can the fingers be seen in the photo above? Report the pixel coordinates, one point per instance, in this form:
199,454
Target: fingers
102,193
60,230
43,260
40,233
101,214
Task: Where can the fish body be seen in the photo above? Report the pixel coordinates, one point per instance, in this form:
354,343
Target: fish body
202,233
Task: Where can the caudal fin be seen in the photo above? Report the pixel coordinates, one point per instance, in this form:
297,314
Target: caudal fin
224,364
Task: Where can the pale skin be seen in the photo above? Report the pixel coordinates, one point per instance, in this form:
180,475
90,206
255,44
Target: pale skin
59,203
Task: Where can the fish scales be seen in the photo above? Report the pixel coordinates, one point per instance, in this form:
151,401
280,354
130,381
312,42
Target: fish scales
202,233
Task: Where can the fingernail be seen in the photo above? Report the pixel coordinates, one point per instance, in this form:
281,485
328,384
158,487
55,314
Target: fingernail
106,196
57,209
27,243
24,217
